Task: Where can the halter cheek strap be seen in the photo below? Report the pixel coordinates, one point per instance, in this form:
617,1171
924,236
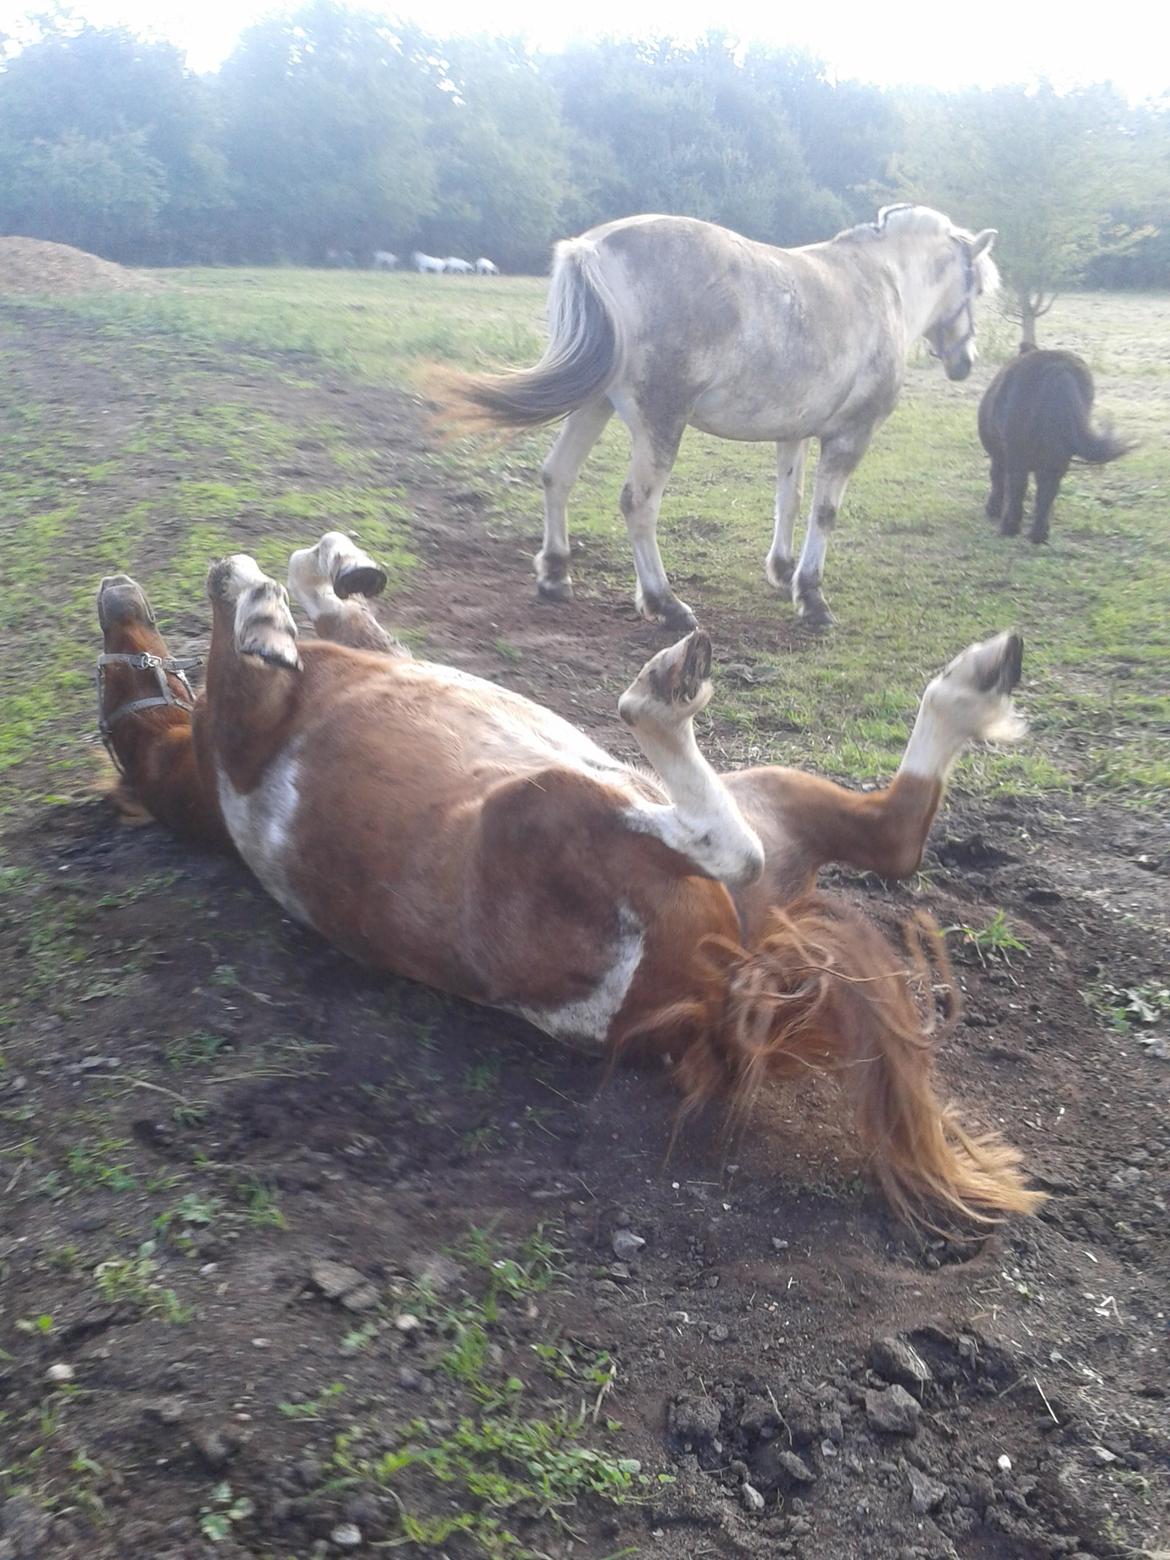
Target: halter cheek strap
163,666
970,291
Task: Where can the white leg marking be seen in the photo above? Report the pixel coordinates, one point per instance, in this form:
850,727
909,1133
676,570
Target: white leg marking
589,1018
260,823
964,704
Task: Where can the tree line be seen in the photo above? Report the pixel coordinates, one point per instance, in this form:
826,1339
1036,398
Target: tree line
330,129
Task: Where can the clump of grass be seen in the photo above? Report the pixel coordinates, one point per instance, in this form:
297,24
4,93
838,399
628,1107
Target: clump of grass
994,942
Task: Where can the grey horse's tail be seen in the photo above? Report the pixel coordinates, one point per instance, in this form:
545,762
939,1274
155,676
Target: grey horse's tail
579,363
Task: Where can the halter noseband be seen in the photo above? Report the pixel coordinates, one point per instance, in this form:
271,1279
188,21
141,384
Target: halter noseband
970,293
162,666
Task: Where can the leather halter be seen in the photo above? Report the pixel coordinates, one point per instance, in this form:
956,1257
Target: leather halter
970,293
162,666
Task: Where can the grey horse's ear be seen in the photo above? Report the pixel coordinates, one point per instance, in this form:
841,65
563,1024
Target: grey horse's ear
982,242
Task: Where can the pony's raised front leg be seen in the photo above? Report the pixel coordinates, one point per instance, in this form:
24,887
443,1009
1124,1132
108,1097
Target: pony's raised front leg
790,458
580,433
702,822
651,462
839,460
332,582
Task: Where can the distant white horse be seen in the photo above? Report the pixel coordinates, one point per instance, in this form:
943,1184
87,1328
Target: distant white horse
672,323
486,267
460,267
423,262
384,260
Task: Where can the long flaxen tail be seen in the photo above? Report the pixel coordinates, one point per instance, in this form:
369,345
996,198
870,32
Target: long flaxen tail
580,361
824,990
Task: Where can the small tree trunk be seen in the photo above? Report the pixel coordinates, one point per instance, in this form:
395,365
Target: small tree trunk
1028,312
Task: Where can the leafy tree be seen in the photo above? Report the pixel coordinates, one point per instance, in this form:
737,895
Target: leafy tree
87,114
325,131
1045,169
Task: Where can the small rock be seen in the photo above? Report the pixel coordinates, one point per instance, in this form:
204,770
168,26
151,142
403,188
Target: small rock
892,1411
338,1281
778,1244
926,1494
346,1535
719,1333
1004,1463
897,1362
626,1244
60,1372
796,1468
213,1449
751,1497
309,1473
410,1380
407,1323
1103,1455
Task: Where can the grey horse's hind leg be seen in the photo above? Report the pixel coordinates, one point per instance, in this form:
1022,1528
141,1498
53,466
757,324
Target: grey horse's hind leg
839,459
790,458
651,462
580,433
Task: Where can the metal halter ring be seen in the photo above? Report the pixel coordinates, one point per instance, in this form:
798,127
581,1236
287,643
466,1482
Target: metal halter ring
163,666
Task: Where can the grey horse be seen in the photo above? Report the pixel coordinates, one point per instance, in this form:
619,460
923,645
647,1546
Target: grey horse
676,323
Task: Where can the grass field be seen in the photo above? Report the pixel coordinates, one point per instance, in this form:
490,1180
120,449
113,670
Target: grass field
915,570
200,1101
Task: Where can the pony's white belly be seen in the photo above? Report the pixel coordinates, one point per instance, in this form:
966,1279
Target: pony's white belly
261,822
586,1021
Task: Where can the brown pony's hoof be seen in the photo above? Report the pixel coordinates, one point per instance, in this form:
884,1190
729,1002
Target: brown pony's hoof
362,580
1038,538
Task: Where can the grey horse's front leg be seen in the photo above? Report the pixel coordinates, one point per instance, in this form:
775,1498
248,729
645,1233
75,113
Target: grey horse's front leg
839,459
790,458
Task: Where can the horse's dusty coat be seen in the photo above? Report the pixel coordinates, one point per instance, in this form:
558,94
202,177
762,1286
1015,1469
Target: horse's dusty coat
674,322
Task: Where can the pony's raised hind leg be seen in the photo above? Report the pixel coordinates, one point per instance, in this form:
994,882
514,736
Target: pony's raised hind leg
790,458
702,821
839,459
580,433
651,462
333,581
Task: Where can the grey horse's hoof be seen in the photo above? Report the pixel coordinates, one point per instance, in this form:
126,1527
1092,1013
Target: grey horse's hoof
813,611
554,590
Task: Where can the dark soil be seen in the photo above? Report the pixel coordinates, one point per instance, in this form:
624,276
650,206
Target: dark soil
184,1067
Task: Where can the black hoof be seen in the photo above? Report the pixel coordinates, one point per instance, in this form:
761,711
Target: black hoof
1004,674
554,590
814,613
365,579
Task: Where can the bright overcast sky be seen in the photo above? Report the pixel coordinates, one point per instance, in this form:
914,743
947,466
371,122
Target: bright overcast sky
947,45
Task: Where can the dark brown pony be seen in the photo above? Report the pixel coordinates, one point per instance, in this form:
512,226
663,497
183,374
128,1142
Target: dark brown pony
445,829
1035,418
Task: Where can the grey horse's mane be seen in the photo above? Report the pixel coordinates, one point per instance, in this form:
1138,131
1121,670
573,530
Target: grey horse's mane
908,218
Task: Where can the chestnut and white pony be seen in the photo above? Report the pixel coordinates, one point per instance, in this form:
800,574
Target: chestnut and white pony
675,323
443,828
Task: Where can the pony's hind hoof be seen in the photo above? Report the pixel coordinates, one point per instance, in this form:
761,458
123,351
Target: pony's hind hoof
998,663
672,686
554,590
814,614
363,579
121,600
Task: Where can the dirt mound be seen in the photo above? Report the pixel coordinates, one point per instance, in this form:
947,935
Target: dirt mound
30,265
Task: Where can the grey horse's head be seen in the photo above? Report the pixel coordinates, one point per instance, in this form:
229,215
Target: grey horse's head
968,271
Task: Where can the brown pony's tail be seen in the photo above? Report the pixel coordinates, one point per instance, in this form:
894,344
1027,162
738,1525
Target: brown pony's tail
824,990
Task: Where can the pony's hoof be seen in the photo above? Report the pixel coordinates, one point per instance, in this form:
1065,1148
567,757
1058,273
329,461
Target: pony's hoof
778,572
813,612
1038,538
673,686
554,590
366,579
667,611
1009,528
991,509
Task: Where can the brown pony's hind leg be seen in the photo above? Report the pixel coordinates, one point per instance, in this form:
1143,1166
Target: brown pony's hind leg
152,746
333,581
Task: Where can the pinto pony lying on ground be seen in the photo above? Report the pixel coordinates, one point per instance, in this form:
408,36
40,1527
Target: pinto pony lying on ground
442,828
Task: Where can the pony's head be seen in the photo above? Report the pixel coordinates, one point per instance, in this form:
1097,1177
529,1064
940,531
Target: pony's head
959,269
